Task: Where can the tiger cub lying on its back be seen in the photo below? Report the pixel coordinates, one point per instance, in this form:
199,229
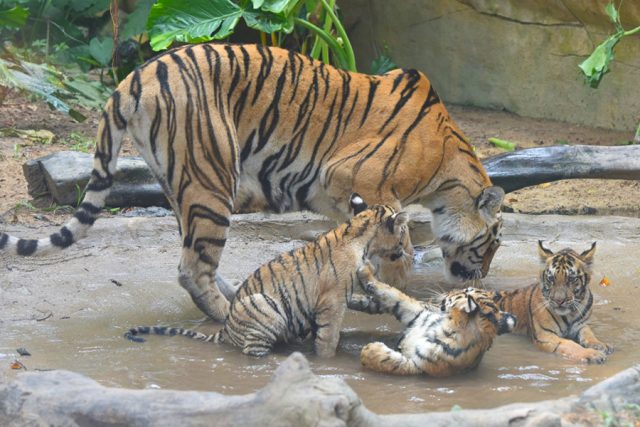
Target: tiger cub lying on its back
442,341
306,290
555,311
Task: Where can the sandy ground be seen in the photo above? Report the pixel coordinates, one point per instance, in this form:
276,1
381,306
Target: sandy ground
602,197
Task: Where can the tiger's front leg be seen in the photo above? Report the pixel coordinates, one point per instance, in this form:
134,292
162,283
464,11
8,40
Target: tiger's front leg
553,343
589,340
384,298
328,318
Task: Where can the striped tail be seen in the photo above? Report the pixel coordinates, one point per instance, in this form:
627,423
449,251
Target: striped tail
110,133
132,334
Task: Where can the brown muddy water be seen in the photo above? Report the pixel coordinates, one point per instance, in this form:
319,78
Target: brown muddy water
90,313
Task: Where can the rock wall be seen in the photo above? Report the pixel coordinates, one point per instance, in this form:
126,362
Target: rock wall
517,55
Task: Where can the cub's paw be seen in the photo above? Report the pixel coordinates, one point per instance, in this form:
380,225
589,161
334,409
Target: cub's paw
597,345
366,272
592,356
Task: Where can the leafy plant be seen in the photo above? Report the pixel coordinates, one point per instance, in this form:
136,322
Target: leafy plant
597,64
16,151
203,20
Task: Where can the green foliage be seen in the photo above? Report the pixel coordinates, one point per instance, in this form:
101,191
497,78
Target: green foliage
101,50
505,145
13,18
77,142
137,22
597,65
203,20
383,64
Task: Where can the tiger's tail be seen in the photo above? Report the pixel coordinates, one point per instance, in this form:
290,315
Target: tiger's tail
110,134
133,333
378,357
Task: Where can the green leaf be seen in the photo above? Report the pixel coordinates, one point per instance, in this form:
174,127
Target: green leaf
101,51
597,65
383,64
614,15
13,18
137,22
183,21
77,116
456,408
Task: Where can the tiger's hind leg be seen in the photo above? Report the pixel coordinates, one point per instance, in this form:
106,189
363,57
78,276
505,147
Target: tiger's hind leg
255,323
204,225
378,357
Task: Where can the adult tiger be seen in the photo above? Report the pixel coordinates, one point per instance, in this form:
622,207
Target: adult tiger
249,127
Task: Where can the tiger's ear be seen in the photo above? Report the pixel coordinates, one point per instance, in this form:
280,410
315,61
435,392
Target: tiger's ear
395,221
490,200
587,256
545,253
357,204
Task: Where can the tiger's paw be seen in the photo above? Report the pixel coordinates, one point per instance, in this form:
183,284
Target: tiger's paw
597,345
366,273
591,356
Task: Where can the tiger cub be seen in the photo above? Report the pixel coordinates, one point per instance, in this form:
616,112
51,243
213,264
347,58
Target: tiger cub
442,342
306,290
555,311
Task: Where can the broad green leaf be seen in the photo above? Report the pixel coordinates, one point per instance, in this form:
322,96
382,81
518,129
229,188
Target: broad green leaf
597,65
383,64
101,51
137,22
283,7
267,22
13,18
183,21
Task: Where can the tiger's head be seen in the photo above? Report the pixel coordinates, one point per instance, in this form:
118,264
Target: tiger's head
473,310
391,233
565,277
469,234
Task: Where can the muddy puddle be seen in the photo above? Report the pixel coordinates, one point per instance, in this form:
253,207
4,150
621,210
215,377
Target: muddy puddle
87,337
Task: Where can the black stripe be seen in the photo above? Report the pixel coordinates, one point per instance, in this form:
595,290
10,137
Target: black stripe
27,247
373,85
136,88
62,239
4,238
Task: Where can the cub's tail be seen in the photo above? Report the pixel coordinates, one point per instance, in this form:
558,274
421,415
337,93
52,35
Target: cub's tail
110,133
132,334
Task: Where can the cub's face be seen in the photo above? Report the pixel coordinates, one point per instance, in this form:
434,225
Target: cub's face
565,277
475,304
392,233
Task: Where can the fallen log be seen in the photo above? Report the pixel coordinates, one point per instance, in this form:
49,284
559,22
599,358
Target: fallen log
56,175
293,397
61,178
523,168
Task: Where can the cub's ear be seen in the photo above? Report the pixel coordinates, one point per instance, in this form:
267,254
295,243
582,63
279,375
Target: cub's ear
472,305
490,200
587,256
545,253
357,204
395,221
507,323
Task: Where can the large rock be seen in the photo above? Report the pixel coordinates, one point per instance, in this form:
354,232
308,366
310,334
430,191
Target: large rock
293,397
517,55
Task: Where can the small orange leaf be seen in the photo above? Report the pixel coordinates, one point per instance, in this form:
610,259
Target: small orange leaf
605,282
513,200
545,185
16,366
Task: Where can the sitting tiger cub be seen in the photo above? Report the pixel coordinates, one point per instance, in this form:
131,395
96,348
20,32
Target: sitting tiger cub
442,342
555,311
306,290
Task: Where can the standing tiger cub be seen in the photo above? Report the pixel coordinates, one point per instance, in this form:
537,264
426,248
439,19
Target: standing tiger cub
555,311
229,128
306,290
439,341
